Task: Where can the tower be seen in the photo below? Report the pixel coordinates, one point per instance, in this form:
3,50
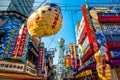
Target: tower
61,63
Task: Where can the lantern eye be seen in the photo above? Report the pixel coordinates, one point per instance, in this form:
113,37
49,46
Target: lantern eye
43,11
55,10
49,9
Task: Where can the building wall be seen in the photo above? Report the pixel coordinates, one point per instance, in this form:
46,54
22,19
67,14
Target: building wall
4,7
22,6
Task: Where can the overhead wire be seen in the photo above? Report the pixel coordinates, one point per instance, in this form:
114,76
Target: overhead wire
73,26
51,42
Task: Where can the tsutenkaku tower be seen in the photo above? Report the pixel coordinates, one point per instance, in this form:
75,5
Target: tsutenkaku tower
61,62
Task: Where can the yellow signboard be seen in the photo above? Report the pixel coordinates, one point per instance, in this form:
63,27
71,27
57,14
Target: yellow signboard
84,73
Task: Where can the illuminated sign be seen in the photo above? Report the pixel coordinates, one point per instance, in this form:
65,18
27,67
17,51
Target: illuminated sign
41,55
85,46
84,73
31,71
81,27
9,43
115,53
73,55
67,61
9,66
20,41
30,64
110,29
33,51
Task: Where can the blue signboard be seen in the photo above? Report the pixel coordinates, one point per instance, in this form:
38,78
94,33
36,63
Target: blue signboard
91,60
111,29
11,24
115,53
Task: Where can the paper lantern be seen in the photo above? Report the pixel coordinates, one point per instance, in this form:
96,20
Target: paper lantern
45,21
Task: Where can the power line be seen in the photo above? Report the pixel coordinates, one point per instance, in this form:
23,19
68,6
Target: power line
51,41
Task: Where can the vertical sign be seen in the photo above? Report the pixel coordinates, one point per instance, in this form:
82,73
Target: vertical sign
41,58
67,61
73,55
19,44
22,41
9,43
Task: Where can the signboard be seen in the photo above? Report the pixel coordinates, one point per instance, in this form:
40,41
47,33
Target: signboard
85,46
84,73
81,27
9,43
73,55
30,64
33,51
115,53
91,60
112,35
41,55
111,29
31,71
67,61
20,41
10,66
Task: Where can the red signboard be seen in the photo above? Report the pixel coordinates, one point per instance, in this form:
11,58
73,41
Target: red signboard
110,19
20,41
41,58
90,34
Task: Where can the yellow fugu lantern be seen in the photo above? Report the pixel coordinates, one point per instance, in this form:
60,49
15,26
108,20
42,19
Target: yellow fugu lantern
45,21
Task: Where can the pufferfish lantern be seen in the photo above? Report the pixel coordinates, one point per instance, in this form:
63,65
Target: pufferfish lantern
45,21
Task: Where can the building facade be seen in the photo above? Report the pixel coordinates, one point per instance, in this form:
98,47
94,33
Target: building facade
98,32
22,6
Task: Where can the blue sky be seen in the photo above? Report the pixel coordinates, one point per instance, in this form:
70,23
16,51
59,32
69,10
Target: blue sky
71,14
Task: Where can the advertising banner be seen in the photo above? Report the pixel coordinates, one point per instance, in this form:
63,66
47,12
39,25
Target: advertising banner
41,58
112,34
20,41
85,45
11,67
67,61
90,33
25,49
115,53
9,43
111,29
73,55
